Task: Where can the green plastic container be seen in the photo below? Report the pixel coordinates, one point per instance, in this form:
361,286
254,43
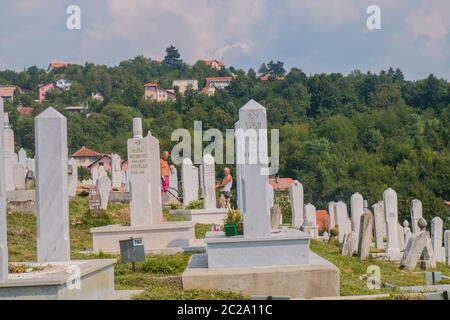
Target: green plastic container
230,230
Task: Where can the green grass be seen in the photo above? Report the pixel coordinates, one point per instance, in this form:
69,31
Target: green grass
351,269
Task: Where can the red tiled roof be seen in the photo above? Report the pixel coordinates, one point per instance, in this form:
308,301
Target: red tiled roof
99,159
281,183
86,152
266,77
447,202
58,64
7,91
150,85
322,219
25,110
211,62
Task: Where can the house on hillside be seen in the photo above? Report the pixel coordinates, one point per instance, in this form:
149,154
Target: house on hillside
7,92
85,156
215,64
209,90
54,65
44,88
153,92
183,85
218,82
268,76
63,84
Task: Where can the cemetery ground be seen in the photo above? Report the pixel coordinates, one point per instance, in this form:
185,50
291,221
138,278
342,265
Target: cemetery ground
160,275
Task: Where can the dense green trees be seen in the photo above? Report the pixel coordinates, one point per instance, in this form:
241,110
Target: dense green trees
339,134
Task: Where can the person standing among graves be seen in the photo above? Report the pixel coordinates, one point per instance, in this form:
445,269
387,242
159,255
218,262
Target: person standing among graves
225,188
165,172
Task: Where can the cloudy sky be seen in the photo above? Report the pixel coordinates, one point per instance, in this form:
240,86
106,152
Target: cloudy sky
314,35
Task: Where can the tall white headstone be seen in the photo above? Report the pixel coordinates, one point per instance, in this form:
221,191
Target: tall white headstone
173,181
310,215
52,200
22,154
357,209
437,229
342,220
188,177
380,224
253,158
104,188
73,177
9,155
19,173
270,195
416,214
95,175
391,216
201,181
238,167
331,215
447,246
196,181
296,198
144,175
209,180
3,233
116,171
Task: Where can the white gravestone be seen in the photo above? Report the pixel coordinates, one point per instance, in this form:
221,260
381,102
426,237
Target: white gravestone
3,232
30,165
104,188
238,167
209,180
356,210
73,177
19,173
437,228
331,215
10,156
447,246
202,182
188,177
253,158
380,224
401,237
94,175
342,220
145,177
196,181
173,181
310,215
416,214
52,200
22,154
391,216
406,231
115,171
296,197
101,171
365,235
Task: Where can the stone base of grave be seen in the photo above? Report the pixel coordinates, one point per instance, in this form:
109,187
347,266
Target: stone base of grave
21,201
157,237
286,247
119,197
318,278
204,216
51,283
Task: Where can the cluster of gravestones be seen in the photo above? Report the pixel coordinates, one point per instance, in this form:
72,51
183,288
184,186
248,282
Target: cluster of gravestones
402,244
20,169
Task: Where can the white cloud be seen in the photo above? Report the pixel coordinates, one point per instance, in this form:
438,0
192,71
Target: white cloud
199,28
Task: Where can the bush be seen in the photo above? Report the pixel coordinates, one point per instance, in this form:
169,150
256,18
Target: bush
234,217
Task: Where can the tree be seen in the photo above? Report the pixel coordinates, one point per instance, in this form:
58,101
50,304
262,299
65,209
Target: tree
276,69
172,58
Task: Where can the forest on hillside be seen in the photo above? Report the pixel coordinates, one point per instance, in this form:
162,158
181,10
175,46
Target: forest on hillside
339,134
